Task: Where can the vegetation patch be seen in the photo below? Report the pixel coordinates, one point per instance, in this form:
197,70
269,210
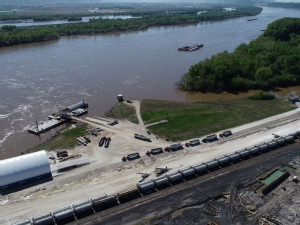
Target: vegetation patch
262,96
64,140
189,120
272,60
123,111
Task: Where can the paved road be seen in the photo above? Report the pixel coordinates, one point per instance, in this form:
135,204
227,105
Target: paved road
195,190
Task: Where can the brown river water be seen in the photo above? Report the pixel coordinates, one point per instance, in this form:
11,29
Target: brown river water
38,79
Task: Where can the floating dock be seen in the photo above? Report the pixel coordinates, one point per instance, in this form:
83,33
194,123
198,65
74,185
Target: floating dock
45,126
59,118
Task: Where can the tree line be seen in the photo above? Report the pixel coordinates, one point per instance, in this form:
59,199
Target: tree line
272,60
11,35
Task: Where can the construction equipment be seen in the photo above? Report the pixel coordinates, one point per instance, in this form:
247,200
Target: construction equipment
160,171
144,175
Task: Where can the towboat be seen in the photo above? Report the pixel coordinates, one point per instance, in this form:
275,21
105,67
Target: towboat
190,48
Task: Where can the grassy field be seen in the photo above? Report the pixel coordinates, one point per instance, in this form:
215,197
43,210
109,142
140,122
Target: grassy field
65,140
122,111
188,120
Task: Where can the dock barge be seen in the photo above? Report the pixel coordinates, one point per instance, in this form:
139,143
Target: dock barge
59,118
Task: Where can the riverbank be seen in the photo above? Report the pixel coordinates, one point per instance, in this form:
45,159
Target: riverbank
11,35
185,120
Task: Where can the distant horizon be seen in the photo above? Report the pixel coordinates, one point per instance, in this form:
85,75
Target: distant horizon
28,2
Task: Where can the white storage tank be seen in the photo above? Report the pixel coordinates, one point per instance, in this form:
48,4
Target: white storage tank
120,98
24,169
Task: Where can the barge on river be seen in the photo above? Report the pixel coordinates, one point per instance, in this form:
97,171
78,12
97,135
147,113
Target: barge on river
190,48
59,118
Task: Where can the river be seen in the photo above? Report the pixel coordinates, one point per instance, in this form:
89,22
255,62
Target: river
38,79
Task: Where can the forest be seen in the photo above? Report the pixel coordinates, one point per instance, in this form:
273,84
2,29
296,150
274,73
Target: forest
12,35
272,60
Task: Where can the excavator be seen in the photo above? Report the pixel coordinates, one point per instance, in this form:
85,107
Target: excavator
160,171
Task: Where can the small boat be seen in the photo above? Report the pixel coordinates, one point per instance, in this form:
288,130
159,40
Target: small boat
252,19
190,48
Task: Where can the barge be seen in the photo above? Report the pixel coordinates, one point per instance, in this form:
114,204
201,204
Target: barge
190,48
42,127
252,19
59,118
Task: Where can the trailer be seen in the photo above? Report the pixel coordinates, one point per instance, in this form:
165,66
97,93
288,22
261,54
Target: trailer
210,138
156,151
107,141
133,156
82,141
176,147
194,142
142,137
101,142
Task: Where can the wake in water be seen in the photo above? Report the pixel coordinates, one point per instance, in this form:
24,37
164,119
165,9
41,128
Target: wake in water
3,116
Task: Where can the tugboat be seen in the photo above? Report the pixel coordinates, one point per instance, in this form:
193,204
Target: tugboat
190,48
